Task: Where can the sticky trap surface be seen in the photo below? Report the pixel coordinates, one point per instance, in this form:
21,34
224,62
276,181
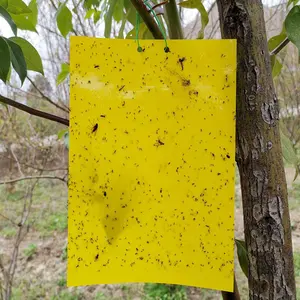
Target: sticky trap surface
152,141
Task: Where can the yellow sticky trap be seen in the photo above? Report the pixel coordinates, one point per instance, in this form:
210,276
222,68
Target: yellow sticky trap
152,143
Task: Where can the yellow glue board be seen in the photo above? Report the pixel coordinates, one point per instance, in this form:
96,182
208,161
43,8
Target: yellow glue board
152,144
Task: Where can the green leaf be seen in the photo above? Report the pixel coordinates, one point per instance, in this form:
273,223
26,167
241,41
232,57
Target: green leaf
97,16
8,19
108,18
292,25
144,32
294,2
288,150
33,17
9,74
89,13
118,11
18,7
23,22
122,27
276,66
275,41
204,15
131,34
5,105
62,133
88,3
130,12
18,60
4,59
242,256
66,139
64,20
32,57
4,3
65,71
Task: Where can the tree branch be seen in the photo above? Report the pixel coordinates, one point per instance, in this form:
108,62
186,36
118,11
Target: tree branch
232,296
46,97
32,177
8,219
33,111
147,18
280,46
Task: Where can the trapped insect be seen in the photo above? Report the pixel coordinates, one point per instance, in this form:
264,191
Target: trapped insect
95,127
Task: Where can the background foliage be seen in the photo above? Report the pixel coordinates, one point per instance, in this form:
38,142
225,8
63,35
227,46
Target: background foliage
34,70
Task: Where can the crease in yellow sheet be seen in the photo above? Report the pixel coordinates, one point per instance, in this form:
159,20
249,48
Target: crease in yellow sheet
152,145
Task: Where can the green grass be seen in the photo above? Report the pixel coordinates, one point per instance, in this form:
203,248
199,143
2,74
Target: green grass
100,296
30,251
297,263
29,290
66,295
58,221
48,212
8,232
164,291
64,254
294,196
298,294
16,293
62,282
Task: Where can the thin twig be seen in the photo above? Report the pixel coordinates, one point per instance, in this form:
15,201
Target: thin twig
19,239
5,275
8,219
232,296
16,160
46,97
33,111
32,177
159,4
2,291
79,17
53,4
50,30
280,46
43,170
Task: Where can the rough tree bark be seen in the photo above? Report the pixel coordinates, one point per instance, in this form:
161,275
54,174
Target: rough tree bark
259,156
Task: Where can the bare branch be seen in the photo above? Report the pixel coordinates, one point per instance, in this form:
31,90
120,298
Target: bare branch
16,160
50,30
20,236
280,46
148,19
43,169
53,4
46,97
33,111
33,177
79,17
8,219
232,296
159,5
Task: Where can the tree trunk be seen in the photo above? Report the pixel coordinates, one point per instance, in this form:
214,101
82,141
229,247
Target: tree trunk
232,296
259,155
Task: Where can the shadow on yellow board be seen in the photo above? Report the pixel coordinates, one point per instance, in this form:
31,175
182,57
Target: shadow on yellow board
152,143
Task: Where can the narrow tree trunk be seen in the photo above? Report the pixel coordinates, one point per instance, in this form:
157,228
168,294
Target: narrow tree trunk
232,296
259,156
173,20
